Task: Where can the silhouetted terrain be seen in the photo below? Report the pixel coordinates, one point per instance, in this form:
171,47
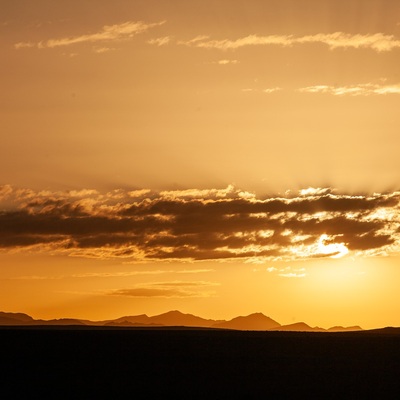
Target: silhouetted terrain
300,327
82,361
252,322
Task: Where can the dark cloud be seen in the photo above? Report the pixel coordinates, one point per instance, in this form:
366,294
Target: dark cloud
199,224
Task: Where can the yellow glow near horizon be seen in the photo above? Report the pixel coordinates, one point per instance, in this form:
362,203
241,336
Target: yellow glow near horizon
141,139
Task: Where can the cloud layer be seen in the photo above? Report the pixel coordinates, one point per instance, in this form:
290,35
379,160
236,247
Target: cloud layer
378,42
366,89
176,289
106,34
189,225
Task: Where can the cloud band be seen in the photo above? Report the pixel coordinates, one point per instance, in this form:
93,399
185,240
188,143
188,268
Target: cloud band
215,224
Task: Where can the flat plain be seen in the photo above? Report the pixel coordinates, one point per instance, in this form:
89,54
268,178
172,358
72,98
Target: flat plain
198,363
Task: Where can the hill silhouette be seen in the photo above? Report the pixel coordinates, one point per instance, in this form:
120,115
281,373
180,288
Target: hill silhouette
252,322
133,319
179,319
299,327
170,318
15,318
345,329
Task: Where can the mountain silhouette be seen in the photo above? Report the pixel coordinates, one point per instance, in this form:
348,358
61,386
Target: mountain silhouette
129,320
61,321
15,319
253,322
176,318
127,323
299,327
344,329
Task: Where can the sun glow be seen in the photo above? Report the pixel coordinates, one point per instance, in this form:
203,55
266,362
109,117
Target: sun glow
334,250
323,247
237,137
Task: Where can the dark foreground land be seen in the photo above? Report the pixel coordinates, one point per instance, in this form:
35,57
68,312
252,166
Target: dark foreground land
51,362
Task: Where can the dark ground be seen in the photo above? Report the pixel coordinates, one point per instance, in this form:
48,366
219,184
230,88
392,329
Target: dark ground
78,362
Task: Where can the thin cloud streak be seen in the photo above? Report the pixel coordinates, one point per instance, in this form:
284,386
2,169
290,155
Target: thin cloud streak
267,90
226,62
193,225
378,42
288,272
292,275
114,274
272,90
366,89
175,289
108,33
161,41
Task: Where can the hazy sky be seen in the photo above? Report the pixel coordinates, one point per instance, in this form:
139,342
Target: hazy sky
216,157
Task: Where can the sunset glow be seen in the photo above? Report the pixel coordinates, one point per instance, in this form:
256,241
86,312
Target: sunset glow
217,158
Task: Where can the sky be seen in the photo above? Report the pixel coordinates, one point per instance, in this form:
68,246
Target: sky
215,157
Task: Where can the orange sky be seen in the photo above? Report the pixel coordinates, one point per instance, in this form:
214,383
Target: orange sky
219,158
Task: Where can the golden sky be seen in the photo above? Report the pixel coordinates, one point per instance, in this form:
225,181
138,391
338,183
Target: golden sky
215,157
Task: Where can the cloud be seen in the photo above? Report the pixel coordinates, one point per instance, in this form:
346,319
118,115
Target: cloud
5,191
176,289
226,62
24,45
292,275
113,274
196,39
267,90
161,41
199,224
290,272
108,33
378,42
100,50
310,191
366,89
226,44
272,90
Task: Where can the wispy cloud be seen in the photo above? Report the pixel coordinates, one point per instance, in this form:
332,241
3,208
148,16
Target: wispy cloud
366,89
25,45
189,225
292,275
378,42
161,41
113,274
226,62
267,90
194,41
5,191
101,50
108,33
288,272
175,289
272,90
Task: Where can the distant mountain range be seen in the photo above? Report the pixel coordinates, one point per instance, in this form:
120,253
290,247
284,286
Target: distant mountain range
252,322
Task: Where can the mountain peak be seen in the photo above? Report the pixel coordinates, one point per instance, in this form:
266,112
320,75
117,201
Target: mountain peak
299,327
174,312
345,328
252,322
256,314
16,316
177,318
